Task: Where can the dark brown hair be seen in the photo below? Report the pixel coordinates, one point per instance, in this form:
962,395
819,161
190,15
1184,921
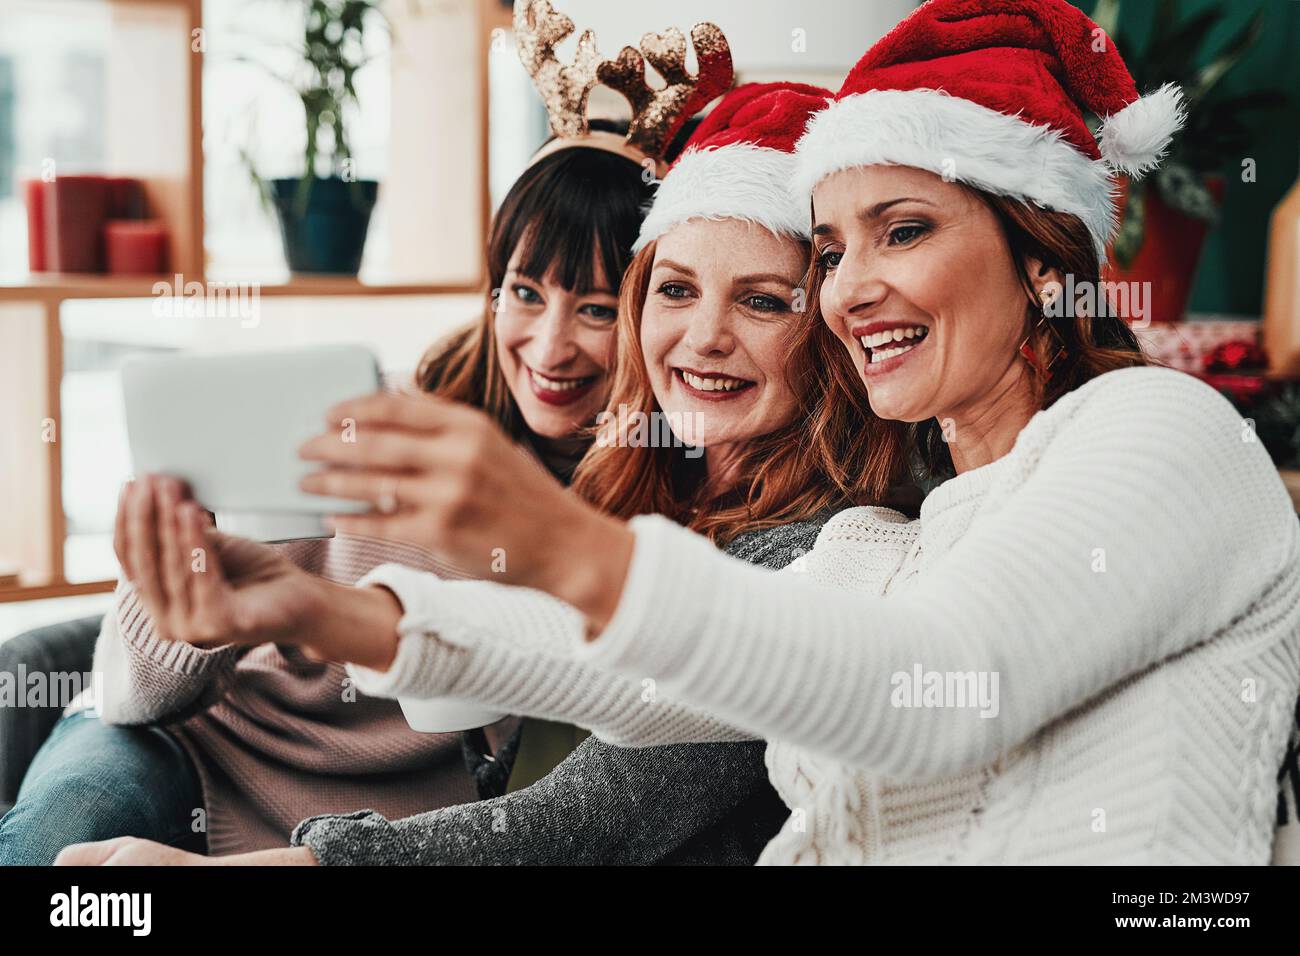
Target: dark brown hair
574,213
864,454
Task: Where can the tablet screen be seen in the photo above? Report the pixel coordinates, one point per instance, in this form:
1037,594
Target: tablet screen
230,426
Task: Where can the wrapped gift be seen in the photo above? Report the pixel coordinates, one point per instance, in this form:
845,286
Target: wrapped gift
1185,345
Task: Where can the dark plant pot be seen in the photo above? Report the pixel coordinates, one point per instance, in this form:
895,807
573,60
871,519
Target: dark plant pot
324,227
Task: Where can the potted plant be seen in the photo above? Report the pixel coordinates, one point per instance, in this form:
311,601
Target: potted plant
324,215
1165,217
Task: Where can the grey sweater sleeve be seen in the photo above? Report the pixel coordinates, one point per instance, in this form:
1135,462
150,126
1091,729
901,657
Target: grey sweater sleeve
602,805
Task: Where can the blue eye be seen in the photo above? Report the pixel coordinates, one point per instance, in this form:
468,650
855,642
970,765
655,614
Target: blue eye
766,303
602,312
902,235
525,294
829,260
673,290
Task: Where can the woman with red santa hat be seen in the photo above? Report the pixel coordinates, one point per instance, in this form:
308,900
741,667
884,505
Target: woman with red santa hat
703,321
1087,648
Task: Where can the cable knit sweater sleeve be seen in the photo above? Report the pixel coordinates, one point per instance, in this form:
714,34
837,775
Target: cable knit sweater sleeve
511,648
147,678
1150,465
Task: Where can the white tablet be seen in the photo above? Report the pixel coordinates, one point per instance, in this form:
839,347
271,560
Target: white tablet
230,426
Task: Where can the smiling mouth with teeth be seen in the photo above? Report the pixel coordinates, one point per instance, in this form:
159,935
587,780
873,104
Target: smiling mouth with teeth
712,382
560,391
891,342
559,384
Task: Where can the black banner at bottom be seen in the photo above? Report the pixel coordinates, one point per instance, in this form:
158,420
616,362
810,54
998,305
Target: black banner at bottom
291,906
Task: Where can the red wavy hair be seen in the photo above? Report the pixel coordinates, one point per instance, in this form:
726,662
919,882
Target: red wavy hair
777,482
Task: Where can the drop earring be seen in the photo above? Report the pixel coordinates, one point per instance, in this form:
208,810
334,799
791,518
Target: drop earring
1058,350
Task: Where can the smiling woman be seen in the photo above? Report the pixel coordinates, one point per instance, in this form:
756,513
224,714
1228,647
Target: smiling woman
921,303
705,341
710,305
566,229
1108,552
729,317
538,360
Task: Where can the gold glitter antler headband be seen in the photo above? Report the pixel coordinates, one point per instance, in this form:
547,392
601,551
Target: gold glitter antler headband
658,114
538,28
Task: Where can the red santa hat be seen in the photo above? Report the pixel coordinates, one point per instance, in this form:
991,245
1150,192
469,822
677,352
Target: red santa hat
992,93
739,162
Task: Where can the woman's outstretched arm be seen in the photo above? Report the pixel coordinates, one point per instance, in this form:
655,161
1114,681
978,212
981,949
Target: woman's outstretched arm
1152,469
603,805
1148,465
512,649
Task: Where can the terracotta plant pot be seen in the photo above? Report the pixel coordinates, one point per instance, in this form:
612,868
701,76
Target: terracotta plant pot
1169,255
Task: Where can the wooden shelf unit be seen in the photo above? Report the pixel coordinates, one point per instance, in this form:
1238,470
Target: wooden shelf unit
453,140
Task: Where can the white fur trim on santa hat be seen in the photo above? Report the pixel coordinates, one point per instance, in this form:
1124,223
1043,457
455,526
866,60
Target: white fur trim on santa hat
1134,140
962,141
737,181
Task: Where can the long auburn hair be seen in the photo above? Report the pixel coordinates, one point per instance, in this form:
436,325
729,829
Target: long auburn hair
567,213
864,454
777,482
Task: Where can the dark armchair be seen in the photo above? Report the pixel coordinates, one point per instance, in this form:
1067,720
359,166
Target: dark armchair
65,648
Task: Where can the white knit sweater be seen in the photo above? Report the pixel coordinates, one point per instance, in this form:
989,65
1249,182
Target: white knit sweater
1129,571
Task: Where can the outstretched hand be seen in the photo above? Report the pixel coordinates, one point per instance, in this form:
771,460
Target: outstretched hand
206,588
443,476
201,586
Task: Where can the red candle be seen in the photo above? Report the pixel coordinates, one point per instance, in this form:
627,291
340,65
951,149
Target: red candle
126,198
34,193
75,210
135,247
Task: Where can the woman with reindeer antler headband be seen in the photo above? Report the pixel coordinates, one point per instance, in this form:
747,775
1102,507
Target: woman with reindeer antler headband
1085,650
706,308
259,742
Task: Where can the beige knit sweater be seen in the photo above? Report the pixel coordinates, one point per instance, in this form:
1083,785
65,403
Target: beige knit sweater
276,737
1129,573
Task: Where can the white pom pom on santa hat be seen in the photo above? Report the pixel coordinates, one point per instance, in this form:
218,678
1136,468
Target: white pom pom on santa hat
1135,139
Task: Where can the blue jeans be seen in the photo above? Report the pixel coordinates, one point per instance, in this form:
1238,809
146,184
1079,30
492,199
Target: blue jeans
92,781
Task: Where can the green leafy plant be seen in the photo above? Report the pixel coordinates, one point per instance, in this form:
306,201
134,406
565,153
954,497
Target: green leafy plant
331,53
1214,133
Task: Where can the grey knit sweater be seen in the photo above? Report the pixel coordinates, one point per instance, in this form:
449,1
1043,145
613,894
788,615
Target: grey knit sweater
685,803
